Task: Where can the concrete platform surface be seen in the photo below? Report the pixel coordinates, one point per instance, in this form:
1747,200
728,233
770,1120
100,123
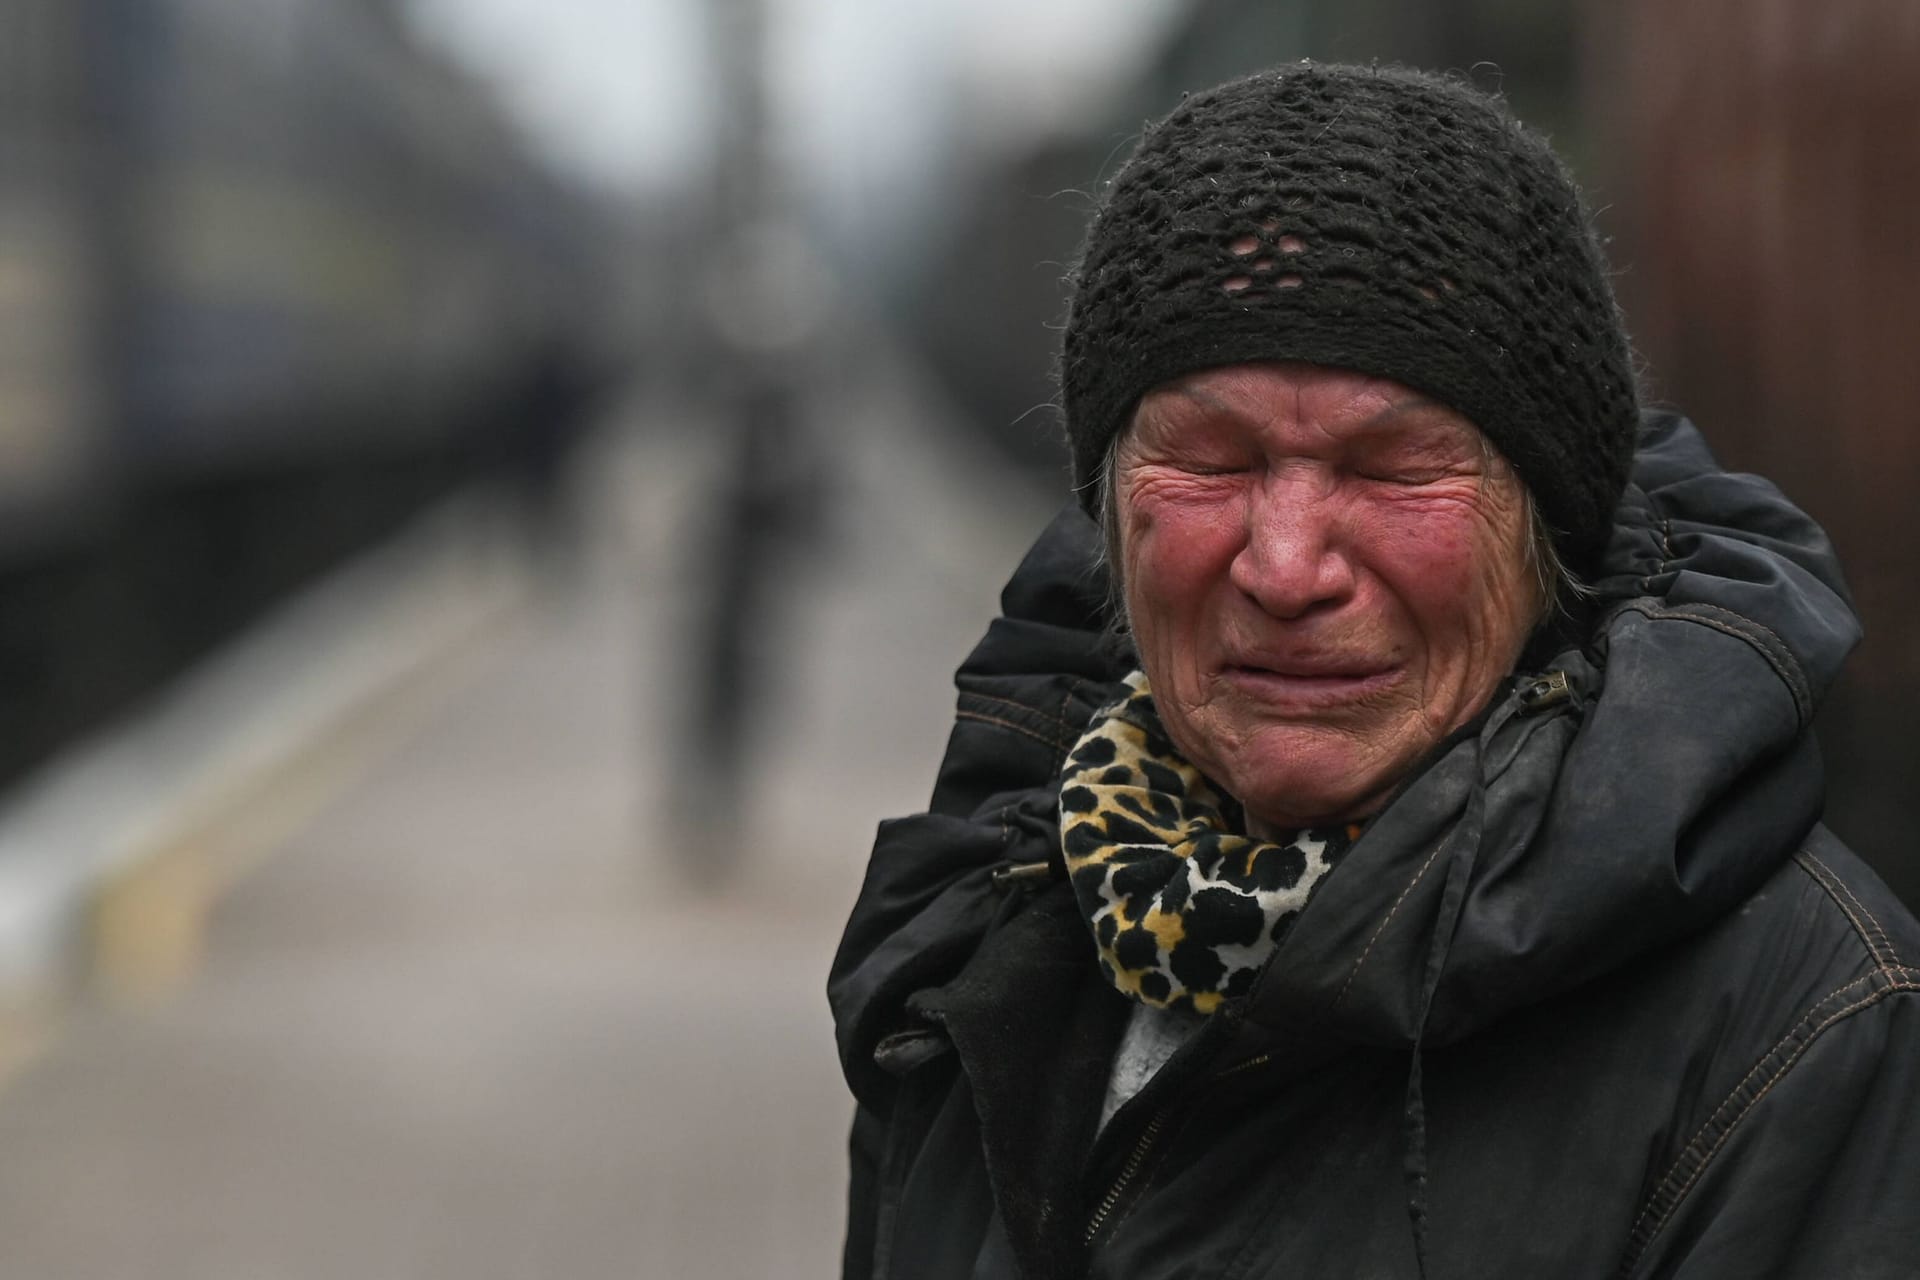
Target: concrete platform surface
471,1016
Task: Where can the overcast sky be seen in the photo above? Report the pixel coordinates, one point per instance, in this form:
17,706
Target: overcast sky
867,90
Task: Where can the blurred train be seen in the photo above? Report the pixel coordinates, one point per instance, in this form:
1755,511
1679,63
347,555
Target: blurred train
272,275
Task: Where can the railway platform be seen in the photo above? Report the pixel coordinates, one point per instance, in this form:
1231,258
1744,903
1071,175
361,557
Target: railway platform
381,949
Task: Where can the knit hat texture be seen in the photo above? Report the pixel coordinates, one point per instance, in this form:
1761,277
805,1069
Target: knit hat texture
1377,219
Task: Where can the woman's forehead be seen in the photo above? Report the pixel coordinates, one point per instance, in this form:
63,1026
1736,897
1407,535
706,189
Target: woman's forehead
1286,394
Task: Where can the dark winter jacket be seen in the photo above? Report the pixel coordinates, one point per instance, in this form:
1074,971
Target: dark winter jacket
1595,995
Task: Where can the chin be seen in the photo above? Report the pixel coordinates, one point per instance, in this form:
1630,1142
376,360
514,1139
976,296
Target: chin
1303,787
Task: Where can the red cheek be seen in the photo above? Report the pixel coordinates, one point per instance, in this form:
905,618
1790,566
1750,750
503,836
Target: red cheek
1445,558
1187,551
1430,551
1184,528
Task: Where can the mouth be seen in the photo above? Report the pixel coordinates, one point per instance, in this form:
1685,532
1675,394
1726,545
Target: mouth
1309,686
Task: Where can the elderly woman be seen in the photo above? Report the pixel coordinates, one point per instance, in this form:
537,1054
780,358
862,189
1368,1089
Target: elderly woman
1381,835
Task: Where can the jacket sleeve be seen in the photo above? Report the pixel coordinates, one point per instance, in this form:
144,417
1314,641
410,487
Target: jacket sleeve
1024,694
1811,1170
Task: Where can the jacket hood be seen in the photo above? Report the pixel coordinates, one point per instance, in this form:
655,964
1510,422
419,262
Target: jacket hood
1631,785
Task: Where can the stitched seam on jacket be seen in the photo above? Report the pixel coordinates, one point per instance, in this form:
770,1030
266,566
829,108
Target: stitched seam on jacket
1066,721
1661,528
1059,721
983,704
1418,876
1776,654
1875,938
1729,1115
1021,729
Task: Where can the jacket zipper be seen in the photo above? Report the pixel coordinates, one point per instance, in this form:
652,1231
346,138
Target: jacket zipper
1138,1156
1128,1172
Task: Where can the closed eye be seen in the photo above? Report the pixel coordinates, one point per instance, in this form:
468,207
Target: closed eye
1408,477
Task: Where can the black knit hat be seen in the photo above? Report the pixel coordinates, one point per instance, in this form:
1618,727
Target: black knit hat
1381,220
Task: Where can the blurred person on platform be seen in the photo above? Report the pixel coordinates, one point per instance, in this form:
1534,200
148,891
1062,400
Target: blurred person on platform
766,517
1381,834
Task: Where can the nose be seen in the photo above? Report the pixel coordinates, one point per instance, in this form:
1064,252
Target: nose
1295,559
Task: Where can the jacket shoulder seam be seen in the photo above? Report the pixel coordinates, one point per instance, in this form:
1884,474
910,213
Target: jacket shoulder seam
1770,1070
1758,636
1871,934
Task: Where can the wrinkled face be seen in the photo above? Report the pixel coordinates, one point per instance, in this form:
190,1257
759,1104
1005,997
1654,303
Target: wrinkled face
1326,574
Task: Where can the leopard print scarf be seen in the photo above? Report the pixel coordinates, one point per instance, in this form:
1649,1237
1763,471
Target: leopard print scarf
1184,909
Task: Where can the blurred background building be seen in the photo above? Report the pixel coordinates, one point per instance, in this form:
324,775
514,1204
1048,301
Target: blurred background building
491,493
